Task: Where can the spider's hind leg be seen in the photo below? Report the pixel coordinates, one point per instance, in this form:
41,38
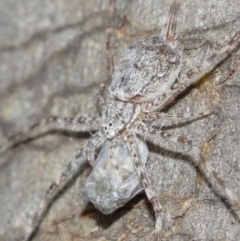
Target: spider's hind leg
87,153
146,183
205,168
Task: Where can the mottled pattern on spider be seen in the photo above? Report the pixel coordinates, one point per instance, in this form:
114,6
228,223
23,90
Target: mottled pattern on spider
145,81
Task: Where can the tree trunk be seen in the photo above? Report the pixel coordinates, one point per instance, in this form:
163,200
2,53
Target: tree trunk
52,62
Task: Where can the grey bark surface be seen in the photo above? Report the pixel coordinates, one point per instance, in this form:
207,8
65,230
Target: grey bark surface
52,62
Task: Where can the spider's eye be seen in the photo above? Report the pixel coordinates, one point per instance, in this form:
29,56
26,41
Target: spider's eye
136,66
122,79
136,97
104,127
111,88
110,124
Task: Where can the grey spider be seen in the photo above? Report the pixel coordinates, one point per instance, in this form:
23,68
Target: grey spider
147,78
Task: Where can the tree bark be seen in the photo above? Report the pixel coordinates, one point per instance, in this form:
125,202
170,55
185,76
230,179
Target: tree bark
52,62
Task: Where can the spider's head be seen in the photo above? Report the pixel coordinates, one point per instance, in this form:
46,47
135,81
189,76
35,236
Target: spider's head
115,117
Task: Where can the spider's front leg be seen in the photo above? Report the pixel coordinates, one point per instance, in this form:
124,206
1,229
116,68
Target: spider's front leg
76,124
101,95
111,28
87,153
146,183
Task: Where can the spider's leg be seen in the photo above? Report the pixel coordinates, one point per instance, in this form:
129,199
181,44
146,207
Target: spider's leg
146,183
169,31
225,71
218,185
206,169
153,133
109,52
68,175
193,76
93,145
75,124
114,143
101,98
173,118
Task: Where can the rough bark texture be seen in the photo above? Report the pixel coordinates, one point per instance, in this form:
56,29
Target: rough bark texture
52,61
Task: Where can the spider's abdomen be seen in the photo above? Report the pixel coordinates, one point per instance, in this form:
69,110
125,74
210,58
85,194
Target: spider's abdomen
145,71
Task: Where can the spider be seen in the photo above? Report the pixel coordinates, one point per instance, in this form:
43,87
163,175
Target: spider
146,80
